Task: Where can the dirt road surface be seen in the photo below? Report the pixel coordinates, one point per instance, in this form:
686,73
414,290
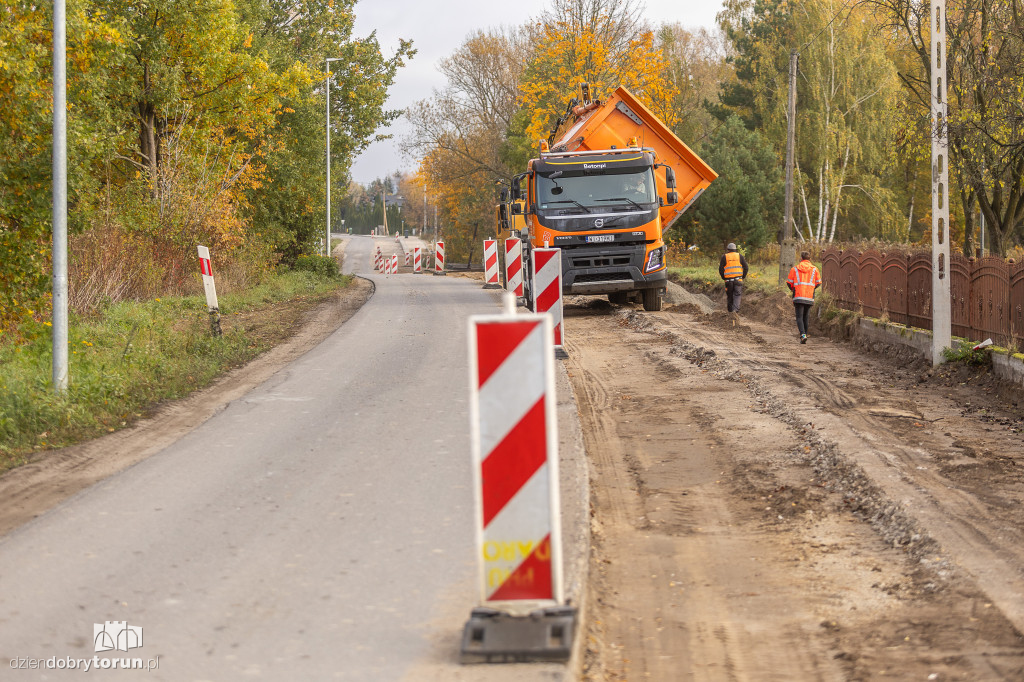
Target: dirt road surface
765,510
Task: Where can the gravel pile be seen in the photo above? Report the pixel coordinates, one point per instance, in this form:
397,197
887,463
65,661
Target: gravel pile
677,295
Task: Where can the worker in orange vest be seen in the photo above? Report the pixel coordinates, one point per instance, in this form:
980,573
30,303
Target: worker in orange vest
732,268
803,282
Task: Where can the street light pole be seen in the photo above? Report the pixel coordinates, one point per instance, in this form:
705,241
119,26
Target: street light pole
327,243
60,201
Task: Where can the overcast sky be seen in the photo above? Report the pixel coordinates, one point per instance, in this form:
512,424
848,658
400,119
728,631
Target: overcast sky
438,28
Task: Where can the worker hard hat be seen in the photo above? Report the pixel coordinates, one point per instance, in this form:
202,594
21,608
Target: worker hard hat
730,247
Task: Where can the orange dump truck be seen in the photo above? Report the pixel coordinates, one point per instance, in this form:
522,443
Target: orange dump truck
609,182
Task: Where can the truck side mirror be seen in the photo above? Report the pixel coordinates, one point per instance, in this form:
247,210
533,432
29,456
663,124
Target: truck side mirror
504,196
673,197
517,193
670,179
517,209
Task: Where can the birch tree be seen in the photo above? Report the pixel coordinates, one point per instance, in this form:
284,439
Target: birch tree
848,94
847,99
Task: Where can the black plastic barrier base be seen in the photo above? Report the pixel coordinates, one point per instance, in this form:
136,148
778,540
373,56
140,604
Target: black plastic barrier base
492,636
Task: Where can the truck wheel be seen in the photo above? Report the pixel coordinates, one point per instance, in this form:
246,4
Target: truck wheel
619,297
652,300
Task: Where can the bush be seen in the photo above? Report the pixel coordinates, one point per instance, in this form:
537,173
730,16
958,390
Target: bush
320,265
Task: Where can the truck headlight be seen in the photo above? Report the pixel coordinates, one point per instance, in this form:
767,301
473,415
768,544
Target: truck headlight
654,259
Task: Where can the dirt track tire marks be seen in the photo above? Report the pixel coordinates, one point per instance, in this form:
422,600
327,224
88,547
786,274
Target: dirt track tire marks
830,598
900,463
665,523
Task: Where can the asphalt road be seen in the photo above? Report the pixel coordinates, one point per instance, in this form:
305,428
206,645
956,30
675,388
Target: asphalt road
319,528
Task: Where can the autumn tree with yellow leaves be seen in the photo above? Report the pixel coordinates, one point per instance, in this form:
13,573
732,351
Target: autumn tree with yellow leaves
199,122
985,81
506,90
564,59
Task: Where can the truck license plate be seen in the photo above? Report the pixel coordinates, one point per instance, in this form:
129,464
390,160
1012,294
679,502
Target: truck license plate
600,238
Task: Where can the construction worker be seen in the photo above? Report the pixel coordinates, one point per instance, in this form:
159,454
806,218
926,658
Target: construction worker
732,268
803,281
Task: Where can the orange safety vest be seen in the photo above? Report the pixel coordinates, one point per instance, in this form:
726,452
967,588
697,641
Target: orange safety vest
733,267
804,279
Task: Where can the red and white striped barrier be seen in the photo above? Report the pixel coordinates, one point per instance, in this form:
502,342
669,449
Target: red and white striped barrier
439,258
206,267
546,278
491,263
515,455
417,259
408,258
514,267
394,265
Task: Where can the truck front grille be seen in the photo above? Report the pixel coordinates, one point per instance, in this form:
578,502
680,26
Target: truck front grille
600,261
599,277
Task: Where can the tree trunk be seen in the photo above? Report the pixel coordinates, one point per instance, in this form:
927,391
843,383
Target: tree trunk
147,134
472,241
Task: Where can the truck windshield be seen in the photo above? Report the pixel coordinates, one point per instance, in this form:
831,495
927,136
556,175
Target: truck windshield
613,192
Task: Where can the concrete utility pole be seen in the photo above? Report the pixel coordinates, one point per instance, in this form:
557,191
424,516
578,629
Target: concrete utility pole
787,247
60,201
942,336
327,244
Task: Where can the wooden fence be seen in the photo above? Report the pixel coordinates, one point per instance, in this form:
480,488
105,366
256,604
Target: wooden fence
987,294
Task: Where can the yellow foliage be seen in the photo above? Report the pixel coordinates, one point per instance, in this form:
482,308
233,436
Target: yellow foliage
567,56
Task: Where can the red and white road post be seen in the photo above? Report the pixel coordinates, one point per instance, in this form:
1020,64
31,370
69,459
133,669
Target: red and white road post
491,264
514,267
546,286
417,259
394,265
522,615
206,268
439,258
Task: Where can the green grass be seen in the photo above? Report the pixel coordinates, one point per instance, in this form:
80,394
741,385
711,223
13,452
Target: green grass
125,360
760,278
965,354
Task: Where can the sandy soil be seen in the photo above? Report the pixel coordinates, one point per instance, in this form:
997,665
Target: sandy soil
55,475
765,510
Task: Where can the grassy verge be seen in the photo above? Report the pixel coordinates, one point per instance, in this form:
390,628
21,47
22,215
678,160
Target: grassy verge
133,355
760,278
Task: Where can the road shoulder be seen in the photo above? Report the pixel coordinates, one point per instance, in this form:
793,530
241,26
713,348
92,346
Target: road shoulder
54,476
